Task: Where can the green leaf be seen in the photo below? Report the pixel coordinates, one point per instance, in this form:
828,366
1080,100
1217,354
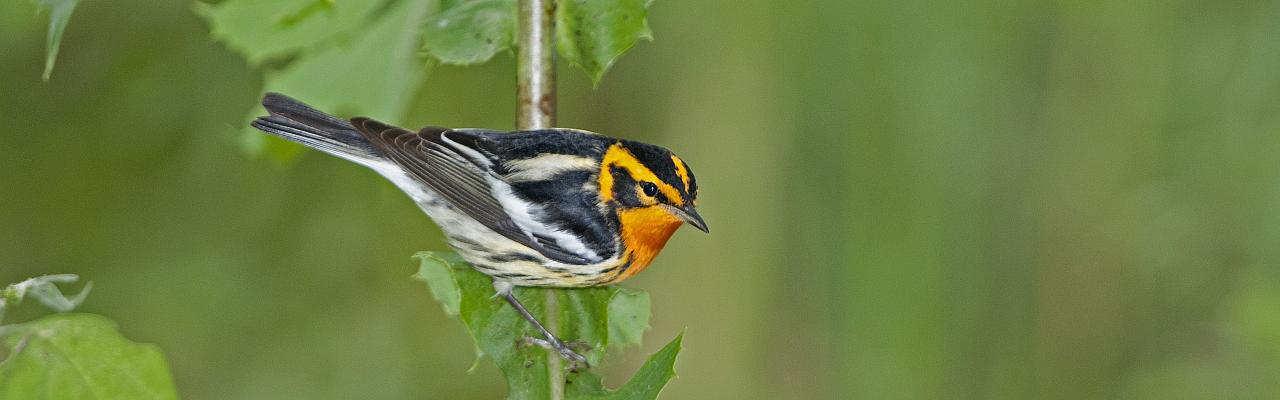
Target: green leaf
595,317
306,12
495,327
59,15
374,71
435,270
79,356
465,32
645,384
628,316
592,34
266,29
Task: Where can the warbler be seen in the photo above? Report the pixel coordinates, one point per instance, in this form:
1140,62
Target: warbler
547,207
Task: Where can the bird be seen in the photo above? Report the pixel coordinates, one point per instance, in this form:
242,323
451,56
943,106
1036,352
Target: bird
555,207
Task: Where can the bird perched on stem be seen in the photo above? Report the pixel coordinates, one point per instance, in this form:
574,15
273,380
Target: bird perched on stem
548,207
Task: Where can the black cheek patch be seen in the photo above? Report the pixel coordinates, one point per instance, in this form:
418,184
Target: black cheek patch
624,191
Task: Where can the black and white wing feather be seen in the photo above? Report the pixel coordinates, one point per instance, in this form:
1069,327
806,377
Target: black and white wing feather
452,164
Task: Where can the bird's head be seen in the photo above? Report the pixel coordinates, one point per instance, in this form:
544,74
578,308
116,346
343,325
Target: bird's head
649,187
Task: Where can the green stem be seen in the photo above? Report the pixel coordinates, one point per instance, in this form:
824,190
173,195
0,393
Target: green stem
555,374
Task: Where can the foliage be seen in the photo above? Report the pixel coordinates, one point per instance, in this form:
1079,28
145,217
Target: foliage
466,32
600,318
74,356
268,29
360,57
592,34
80,356
351,57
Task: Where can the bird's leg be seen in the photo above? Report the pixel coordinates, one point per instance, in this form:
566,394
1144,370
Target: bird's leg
549,341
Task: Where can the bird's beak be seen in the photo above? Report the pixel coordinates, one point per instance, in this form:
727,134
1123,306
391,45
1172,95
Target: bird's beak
690,215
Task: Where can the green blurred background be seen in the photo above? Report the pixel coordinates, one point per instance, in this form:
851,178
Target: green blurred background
909,200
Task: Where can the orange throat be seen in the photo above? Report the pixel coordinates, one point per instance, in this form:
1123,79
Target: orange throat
644,232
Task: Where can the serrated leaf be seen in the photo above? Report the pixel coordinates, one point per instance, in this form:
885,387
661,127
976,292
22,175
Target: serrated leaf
375,74
592,34
79,356
464,32
645,384
59,15
265,29
596,317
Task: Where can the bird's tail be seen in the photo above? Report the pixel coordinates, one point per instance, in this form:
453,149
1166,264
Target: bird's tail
293,120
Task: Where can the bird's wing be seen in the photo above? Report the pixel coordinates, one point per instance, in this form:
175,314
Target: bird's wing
460,172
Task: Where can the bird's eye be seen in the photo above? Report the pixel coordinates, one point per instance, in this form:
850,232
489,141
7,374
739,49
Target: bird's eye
649,188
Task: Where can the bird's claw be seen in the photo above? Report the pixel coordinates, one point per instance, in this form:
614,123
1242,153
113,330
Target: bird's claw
576,361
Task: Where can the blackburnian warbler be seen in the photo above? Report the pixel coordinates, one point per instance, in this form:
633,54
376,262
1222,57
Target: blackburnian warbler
549,207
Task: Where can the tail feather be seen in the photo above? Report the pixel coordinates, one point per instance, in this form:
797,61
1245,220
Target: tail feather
295,121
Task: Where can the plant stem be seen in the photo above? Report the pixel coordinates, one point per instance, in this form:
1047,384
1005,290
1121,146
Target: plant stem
536,109
535,65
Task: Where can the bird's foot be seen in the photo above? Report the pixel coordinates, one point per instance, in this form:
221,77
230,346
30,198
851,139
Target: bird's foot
577,361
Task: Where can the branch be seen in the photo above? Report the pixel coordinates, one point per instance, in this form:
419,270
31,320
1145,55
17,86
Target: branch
535,65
